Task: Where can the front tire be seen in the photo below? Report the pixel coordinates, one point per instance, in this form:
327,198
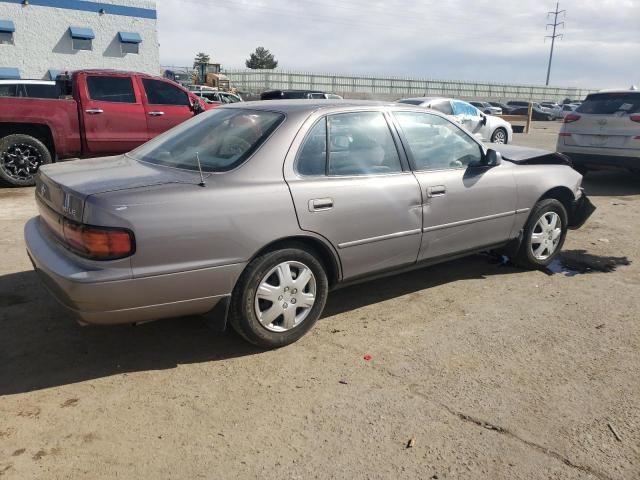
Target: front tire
500,136
20,158
544,234
279,297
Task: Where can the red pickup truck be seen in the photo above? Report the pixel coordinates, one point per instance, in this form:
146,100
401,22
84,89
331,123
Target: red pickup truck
105,113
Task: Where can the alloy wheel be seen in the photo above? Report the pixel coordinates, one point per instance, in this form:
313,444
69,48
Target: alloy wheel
499,137
21,161
285,296
546,235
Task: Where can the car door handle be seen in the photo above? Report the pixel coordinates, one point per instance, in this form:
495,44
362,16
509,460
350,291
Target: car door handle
156,114
436,191
319,204
94,111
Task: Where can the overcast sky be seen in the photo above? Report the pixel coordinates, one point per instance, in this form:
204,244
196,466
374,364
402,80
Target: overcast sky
491,40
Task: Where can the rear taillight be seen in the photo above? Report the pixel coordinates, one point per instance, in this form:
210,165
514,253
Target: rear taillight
635,118
572,117
98,243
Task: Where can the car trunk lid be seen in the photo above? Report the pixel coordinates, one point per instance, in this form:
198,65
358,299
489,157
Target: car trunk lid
64,187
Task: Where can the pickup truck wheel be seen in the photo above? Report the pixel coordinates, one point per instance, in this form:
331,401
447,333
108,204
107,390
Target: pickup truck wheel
20,158
279,297
544,234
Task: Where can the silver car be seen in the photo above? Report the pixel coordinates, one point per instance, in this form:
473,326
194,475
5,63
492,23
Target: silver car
487,128
254,211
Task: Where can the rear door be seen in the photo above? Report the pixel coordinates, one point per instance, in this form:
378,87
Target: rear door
166,105
465,206
359,193
605,120
112,114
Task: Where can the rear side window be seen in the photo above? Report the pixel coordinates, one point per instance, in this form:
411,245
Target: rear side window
442,106
111,89
611,103
359,144
163,93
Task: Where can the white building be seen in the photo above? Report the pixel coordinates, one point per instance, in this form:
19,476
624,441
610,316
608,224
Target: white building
39,38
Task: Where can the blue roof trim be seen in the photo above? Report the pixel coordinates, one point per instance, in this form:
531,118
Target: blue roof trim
82,33
87,6
130,37
9,73
7,26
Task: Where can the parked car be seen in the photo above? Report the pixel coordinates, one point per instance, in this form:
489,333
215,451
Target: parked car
256,210
218,97
604,131
487,108
29,88
506,109
553,108
107,113
536,113
566,109
486,127
298,94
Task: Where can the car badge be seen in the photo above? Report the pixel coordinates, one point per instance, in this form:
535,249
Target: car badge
43,190
602,121
66,205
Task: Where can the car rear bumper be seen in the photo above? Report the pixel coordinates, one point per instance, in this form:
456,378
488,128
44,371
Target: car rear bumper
126,300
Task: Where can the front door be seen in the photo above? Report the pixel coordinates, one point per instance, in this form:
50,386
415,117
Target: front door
166,106
113,115
466,206
357,194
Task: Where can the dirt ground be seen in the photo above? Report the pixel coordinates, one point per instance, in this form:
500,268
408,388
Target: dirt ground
492,373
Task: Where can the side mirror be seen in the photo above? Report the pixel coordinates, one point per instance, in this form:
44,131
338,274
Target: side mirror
484,120
492,158
196,106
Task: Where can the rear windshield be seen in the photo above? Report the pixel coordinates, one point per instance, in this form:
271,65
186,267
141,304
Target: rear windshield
610,103
221,139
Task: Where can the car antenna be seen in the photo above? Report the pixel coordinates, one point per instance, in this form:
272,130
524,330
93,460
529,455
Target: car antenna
202,182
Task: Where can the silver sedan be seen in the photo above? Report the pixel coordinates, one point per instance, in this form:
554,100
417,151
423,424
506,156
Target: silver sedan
254,211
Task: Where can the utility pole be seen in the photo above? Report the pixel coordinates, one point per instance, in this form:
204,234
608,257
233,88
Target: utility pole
553,37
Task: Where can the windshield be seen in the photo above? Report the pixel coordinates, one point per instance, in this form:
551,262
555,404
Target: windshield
221,139
610,103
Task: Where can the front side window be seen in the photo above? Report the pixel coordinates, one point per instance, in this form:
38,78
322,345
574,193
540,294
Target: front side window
111,89
221,139
437,144
163,93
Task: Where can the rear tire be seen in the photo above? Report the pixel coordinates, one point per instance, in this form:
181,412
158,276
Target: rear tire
20,158
544,234
279,297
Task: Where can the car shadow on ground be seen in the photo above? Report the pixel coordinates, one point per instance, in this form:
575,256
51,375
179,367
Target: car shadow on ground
41,346
611,183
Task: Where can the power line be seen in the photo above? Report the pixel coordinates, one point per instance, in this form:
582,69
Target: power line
553,37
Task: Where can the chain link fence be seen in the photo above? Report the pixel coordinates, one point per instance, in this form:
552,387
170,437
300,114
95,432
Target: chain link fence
392,88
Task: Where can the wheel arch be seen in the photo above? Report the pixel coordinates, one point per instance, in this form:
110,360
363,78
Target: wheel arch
325,253
39,131
564,195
